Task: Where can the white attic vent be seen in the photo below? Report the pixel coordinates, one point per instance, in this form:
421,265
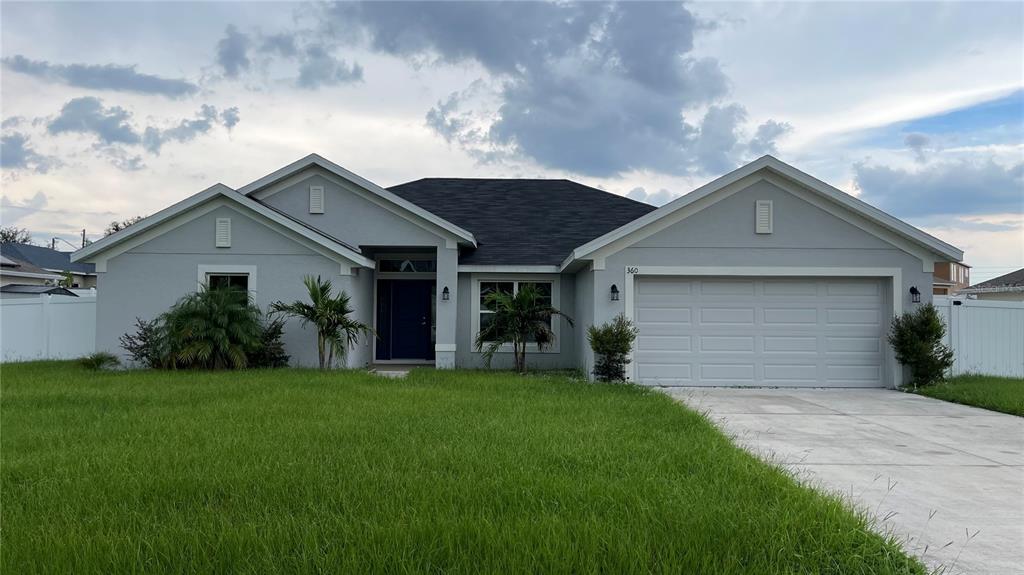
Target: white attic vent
763,217
316,199
223,232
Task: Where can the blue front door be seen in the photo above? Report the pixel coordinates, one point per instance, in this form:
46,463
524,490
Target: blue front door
405,319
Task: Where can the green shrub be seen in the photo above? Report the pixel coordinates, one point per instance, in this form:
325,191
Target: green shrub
213,329
916,337
99,360
270,352
612,343
148,345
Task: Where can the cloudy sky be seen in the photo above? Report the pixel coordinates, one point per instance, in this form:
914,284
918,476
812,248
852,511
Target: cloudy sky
116,110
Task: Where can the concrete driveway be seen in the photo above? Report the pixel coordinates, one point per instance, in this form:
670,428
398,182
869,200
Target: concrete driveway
945,478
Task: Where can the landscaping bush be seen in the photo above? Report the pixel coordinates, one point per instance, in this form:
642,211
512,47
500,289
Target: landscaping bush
270,352
148,345
99,360
612,343
213,329
916,337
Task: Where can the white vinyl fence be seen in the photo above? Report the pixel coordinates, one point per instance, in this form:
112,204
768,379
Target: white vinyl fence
48,327
986,336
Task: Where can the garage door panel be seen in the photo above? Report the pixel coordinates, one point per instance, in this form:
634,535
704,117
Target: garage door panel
806,332
727,316
790,373
727,287
866,344
790,344
790,316
727,343
853,316
678,343
664,315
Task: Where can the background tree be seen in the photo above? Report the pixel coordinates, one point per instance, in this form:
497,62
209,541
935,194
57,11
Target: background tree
519,319
15,235
117,226
329,314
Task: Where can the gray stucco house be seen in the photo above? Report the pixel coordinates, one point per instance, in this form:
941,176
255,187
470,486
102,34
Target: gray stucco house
763,277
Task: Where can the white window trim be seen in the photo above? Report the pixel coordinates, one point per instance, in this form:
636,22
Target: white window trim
205,270
556,323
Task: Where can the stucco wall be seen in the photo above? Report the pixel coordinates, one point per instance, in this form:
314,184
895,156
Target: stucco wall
584,318
466,354
348,216
146,280
722,235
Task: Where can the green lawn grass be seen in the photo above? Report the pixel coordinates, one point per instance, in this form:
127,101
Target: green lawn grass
1005,394
442,472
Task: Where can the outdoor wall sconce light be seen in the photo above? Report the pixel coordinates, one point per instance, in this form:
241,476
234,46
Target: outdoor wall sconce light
915,294
615,292
445,294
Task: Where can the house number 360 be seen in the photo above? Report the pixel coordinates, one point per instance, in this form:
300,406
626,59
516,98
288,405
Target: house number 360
632,270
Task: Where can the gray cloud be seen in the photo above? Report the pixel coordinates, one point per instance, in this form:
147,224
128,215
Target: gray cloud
17,154
918,144
595,88
12,122
233,52
230,117
659,198
87,115
102,77
282,44
950,187
764,138
319,68
113,128
17,211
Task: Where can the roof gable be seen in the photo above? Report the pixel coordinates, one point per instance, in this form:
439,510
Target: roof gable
120,241
265,184
819,193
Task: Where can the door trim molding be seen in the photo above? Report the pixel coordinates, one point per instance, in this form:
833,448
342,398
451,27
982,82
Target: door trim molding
895,275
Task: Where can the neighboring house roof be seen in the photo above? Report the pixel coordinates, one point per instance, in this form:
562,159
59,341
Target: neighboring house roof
14,267
31,289
47,259
522,221
220,190
1011,282
317,160
777,167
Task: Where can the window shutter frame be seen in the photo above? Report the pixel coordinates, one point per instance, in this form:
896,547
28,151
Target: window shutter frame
316,199
222,235
763,217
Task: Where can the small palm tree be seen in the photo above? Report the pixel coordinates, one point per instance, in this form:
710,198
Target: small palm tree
517,319
212,329
329,313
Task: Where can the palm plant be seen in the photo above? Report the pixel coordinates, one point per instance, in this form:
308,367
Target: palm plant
212,329
518,319
329,313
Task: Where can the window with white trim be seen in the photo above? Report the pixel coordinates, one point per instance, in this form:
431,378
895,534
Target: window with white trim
511,287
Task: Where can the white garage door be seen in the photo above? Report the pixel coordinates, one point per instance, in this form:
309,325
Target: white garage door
785,332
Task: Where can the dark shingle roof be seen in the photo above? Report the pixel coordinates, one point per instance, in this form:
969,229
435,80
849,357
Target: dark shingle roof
46,258
1010,280
522,222
34,289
